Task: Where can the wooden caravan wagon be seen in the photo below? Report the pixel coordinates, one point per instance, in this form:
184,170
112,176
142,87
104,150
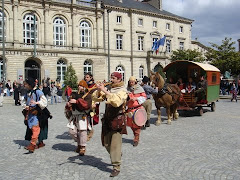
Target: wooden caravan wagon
187,74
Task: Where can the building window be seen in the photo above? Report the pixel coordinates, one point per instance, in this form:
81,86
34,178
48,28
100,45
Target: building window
1,27
181,29
141,74
119,39
154,40
85,34
167,26
140,22
59,32
61,69
168,46
181,45
120,69
119,19
140,43
154,24
28,29
87,67
1,70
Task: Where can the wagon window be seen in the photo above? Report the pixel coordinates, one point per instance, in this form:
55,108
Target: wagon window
214,78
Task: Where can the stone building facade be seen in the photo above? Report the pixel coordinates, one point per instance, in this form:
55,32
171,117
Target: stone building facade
100,36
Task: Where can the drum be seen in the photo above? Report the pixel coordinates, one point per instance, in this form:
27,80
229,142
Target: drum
140,117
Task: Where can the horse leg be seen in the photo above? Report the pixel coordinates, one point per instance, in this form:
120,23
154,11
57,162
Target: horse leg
175,113
168,109
159,121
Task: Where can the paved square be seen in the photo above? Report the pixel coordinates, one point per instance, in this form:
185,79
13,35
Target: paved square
195,147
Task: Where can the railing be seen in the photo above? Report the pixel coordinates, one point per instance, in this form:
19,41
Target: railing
84,3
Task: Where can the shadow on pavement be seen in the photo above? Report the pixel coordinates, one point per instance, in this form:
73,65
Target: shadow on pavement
65,135
21,143
90,161
130,141
64,147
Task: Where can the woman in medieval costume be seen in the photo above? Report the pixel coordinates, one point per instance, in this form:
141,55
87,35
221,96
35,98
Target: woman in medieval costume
42,114
35,103
79,107
137,97
94,119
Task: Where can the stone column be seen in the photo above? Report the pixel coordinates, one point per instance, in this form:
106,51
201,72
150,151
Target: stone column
75,31
15,24
46,29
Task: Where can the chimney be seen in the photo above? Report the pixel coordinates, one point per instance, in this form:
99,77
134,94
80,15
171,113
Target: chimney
155,3
238,45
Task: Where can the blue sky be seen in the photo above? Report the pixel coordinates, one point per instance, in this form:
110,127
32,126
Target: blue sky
213,19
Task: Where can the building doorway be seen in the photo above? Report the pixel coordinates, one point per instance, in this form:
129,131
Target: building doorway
33,70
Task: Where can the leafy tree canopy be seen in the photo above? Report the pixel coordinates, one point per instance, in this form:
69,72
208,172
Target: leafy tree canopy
224,56
70,77
190,55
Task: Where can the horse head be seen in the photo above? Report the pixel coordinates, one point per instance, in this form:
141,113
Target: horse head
157,79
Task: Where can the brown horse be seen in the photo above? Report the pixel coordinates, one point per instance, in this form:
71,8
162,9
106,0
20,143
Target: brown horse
168,96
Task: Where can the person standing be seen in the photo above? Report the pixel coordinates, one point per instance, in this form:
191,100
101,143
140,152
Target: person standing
16,94
46,90
79,106
59,94
35,98
68,92
137,97
1,94
148,103
53,91
113,122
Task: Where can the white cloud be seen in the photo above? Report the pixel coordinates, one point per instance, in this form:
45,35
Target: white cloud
213,19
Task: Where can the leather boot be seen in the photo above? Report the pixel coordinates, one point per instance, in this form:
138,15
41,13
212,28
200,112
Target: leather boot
78,149
41,144
82,151
30,147
147,123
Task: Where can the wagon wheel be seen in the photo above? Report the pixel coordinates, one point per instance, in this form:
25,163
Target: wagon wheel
200,111
213,106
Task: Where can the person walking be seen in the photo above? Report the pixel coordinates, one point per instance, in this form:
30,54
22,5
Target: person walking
34,98
113,122
53,91
59,94
137,97
148,103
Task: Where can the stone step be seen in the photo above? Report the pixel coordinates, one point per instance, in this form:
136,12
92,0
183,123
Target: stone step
8,100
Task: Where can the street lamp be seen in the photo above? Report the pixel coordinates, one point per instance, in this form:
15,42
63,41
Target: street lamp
108,11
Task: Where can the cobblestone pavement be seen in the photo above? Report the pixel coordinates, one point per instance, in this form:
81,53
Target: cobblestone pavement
194,147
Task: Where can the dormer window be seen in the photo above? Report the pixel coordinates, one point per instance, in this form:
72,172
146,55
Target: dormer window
119,19
181,29
140,22
154,24
167,26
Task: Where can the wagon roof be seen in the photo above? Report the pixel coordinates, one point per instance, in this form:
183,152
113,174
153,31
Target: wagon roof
205,67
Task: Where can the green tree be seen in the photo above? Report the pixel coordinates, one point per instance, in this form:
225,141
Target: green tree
224,56
190,55
70,77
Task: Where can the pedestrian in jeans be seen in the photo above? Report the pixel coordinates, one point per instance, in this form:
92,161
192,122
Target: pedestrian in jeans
53,91
68,92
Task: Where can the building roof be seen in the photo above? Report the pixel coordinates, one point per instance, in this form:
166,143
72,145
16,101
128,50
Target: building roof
205,67
143,6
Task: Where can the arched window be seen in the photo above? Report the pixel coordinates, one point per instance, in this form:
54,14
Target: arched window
61,69
120,69
87,67
59,32
1,27
28,29
1,69
141,73
85,34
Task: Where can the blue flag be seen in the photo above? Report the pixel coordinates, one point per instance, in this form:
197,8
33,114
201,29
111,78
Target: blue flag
154,45
162,41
